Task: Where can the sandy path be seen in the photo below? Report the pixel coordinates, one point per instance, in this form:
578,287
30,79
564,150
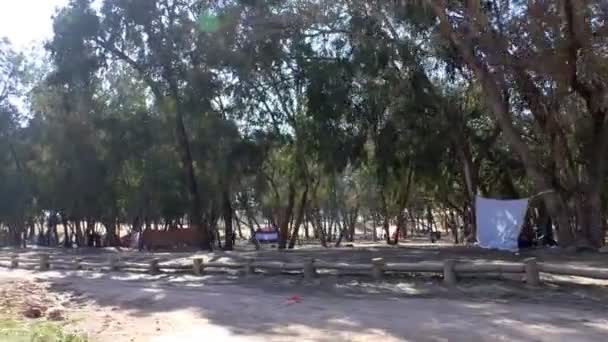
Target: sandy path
137,309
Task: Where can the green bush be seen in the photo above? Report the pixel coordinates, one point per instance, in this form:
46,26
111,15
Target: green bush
20,331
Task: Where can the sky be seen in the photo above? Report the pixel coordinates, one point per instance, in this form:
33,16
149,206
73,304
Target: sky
27,22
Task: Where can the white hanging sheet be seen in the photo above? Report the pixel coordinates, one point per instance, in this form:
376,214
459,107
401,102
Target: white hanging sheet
499,222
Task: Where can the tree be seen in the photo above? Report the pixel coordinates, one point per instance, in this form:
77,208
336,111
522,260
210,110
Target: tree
502,44
161,40
15,188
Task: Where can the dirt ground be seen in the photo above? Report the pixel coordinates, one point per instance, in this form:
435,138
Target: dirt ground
220,307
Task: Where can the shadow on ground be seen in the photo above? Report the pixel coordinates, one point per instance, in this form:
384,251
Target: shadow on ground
345,309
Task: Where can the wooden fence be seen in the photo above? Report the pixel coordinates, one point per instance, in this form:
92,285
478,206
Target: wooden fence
530,269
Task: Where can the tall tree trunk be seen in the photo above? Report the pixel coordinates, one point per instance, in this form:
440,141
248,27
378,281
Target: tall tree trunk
299,218
318,227
385,218
306,227
286,217
374,227
55,234
544,221
79,234
589,217
401,227
470,177
250,219
196,210
352,224
228,232
238,225
111,226
340,230
66,234
15,234
32,231
330,226
500,107
386,227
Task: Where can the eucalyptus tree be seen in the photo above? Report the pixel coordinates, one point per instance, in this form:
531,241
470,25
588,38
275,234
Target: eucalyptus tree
543,62
15,189
173,47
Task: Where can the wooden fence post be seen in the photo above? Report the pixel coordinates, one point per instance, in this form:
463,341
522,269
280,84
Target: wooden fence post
249,269
449,276
377,268
45,265
197,266
154,269
532,275
114,263
14,261
309,270
78,263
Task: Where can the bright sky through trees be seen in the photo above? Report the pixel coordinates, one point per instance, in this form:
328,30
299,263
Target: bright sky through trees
24,22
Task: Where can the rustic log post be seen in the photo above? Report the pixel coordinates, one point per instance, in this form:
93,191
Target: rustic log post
78,263
532,275
45,265
114,263
197,266
377,268
154,269
310,272
249,269
449,275
14,261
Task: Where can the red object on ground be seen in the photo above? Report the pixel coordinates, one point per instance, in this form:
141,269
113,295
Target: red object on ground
293,300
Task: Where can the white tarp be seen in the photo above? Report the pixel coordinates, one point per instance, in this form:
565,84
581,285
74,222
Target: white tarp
499,222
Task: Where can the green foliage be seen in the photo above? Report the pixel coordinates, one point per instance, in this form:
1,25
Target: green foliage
19,331
156,111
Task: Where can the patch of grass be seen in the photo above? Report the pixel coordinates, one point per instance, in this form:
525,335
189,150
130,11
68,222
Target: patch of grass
23,331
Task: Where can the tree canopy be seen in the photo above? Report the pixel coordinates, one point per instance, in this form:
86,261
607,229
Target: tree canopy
158,114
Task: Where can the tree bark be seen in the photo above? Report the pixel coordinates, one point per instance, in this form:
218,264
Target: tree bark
66,235
589,212
238,226
401,227
250,219
352,224
500,108
470,176
286,217
79,234
299,218
318,227
196,210
374,226
306,227
228,231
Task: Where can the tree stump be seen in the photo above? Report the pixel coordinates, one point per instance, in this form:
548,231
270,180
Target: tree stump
14,261
44,262
310,272
154,269
532,274
197,266
449,275
377,268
